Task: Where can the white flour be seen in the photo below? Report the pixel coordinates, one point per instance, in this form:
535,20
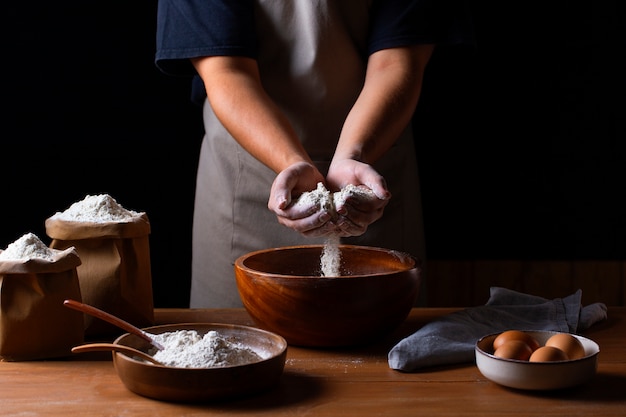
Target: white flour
330,260
329,202
350,190
187,349
96,209
28,246
320,196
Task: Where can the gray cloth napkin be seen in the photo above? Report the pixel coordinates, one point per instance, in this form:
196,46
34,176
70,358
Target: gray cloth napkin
451,339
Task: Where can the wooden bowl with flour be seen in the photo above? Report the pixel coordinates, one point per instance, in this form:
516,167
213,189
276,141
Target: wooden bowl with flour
284,292
203,381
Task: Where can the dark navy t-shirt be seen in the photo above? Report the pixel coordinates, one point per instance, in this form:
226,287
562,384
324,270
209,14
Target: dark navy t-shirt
195,28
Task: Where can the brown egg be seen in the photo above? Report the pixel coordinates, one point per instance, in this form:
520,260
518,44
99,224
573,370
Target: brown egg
548,354
568,344
508,335
514,349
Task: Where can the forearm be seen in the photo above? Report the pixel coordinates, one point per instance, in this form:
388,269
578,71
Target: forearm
386,104
237,97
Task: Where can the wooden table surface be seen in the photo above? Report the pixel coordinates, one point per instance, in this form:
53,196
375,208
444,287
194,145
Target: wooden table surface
316,382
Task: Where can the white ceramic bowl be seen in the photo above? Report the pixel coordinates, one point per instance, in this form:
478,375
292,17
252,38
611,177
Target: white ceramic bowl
536,375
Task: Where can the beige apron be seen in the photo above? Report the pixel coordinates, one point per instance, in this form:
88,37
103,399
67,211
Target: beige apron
312,62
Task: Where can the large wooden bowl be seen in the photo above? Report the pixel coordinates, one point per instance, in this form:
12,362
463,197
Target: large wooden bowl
203,384
283,292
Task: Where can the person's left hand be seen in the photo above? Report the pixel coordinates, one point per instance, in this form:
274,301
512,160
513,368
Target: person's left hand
355,214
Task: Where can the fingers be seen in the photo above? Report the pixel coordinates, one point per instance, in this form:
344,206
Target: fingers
280,192
357,208
314,225
345,213
355,218
348,213
292,181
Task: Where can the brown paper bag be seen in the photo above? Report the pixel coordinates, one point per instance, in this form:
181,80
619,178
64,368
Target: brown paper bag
115,274
34,323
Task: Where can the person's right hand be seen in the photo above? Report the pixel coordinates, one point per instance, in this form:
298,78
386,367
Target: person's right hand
307,220
356,214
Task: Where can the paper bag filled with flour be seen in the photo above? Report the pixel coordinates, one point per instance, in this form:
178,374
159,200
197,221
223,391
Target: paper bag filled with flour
113,246
34,282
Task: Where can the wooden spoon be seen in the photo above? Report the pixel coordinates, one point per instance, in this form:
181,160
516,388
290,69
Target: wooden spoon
103,315
92,347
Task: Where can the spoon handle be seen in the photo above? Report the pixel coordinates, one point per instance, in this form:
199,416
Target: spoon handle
92,347
103,315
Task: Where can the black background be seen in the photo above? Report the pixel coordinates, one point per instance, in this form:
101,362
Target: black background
520,140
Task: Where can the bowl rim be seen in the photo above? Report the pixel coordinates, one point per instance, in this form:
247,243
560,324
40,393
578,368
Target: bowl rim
595,349
269,334
416,262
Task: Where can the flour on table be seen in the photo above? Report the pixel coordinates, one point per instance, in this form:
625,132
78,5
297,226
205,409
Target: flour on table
188,349
29,246
330,260
100,208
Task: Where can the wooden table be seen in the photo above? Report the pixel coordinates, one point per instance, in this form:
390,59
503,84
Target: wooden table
350,382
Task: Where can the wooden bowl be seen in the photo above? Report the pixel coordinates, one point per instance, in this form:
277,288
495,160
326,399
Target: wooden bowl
283,292
203,384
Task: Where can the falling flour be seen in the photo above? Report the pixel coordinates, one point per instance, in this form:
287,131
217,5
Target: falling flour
28,246
330,259
188,349
96,209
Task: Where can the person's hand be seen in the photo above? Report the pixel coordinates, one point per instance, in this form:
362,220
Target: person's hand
307,219
357,212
